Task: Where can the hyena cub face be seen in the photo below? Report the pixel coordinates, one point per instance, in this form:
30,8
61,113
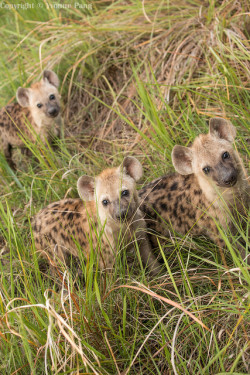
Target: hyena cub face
42,98
114,191
211,157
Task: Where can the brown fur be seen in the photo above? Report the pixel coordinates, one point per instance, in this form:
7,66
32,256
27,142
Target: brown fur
16,118
191,199
59,226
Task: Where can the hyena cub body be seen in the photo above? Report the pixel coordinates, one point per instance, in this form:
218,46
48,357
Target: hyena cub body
111,205
38,107
209,184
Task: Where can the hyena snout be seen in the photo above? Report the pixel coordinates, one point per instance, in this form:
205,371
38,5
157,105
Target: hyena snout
228,176
53,110
121,211
231,179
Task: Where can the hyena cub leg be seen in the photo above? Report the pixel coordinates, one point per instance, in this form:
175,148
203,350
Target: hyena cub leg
7,149
147,255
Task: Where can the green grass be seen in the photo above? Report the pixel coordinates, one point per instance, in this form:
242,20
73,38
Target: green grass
134,81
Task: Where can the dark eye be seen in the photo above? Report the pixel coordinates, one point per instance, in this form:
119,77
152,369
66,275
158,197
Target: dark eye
105,202
206,170
52,97
125,193
225,155
39,105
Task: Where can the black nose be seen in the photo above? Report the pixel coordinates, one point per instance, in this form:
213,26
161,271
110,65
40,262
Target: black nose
122,215
53,112
231,181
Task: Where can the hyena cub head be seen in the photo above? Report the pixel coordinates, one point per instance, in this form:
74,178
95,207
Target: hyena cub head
114,191
42,98
211,156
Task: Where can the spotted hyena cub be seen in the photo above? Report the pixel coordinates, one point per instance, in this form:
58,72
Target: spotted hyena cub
209,184
111,205
38,106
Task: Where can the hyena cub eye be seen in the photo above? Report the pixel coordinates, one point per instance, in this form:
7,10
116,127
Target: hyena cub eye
125,193
39,105
105,202
225,155
52,97
206,170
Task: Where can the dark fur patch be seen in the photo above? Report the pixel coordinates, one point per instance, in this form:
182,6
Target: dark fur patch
197,192
182,208
71,216
64,238
174,186
65,212
55,205
164,207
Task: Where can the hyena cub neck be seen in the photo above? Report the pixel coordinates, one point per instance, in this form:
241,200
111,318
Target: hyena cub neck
213,162
111,204
38,107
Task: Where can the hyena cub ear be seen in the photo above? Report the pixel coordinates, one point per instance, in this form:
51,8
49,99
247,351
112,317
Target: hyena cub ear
51,77
86,188
182,159
22,96
132,167
221,128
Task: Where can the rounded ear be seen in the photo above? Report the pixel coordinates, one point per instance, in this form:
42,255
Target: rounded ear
22,96
221,128
51,77
132,167
86,188
182,159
